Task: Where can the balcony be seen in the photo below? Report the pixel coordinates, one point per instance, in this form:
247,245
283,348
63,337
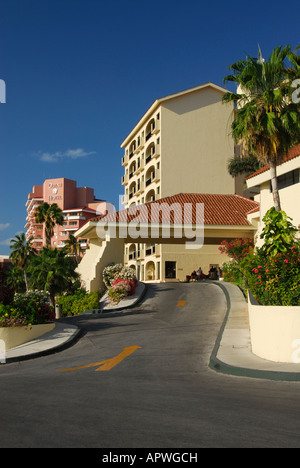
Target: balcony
140,166
152,175
140,143
140,187
132,255
124,179
156,152
76,217
124,161
156,128
156,176
148,136
148,158
150,250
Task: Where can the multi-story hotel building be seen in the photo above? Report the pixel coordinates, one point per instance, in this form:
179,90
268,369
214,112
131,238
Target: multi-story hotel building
182,144
77,203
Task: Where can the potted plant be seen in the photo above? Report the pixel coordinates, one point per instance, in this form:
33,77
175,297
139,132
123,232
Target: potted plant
27,317
272,273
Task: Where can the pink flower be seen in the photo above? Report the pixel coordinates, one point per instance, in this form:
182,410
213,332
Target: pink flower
286,261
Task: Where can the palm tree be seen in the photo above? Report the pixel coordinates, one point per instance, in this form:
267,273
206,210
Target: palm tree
72,247
53,272
50,215
240,166
15,279
22,253
267,121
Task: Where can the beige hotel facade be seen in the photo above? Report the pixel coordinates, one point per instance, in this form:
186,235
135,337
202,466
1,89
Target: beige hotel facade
182,144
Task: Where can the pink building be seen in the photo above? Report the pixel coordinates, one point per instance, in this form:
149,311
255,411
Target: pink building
77,203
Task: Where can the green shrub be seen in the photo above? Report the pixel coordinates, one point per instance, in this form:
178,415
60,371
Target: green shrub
79,302
274,280
271,272
31,308
233,274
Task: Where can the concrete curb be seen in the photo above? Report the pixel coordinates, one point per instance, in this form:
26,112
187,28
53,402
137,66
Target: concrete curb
127,303
232,351
61,337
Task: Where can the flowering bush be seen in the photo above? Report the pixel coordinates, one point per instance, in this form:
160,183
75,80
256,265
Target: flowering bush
274,280
121,288
110,272
11,317
120,281
26,309
237,249
271,272
113,272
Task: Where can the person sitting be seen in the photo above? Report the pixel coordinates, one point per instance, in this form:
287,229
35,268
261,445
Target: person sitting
194,275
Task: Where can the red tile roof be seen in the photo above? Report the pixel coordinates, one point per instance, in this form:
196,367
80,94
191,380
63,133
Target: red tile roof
227,210
293,153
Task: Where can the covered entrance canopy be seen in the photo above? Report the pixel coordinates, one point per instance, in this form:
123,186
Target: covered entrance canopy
194,220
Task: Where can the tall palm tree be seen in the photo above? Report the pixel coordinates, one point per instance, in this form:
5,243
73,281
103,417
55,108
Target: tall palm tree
72,247
53,272
22,253
50,215
267,121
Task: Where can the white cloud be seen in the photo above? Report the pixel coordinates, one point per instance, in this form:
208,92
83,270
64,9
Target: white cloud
71,153
4,226
5,242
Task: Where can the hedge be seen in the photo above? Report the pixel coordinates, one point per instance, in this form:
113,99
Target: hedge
79,302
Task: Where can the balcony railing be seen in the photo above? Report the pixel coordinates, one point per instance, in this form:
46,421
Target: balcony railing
132,256
148,158
150,250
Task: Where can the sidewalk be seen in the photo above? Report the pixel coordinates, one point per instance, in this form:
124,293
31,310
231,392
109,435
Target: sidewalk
232,352
59,338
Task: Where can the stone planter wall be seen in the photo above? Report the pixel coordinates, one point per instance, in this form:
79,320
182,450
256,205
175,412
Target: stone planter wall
274,331
15,336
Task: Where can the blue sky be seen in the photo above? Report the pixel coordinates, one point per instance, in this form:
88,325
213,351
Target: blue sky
79,75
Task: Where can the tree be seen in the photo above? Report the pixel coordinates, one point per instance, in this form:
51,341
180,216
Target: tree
246,165
72,248
22,253
267,121
52,271
50,215
15,279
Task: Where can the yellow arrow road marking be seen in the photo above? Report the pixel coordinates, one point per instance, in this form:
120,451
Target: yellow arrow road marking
108,363
181,303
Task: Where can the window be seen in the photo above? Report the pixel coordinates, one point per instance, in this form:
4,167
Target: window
288,179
